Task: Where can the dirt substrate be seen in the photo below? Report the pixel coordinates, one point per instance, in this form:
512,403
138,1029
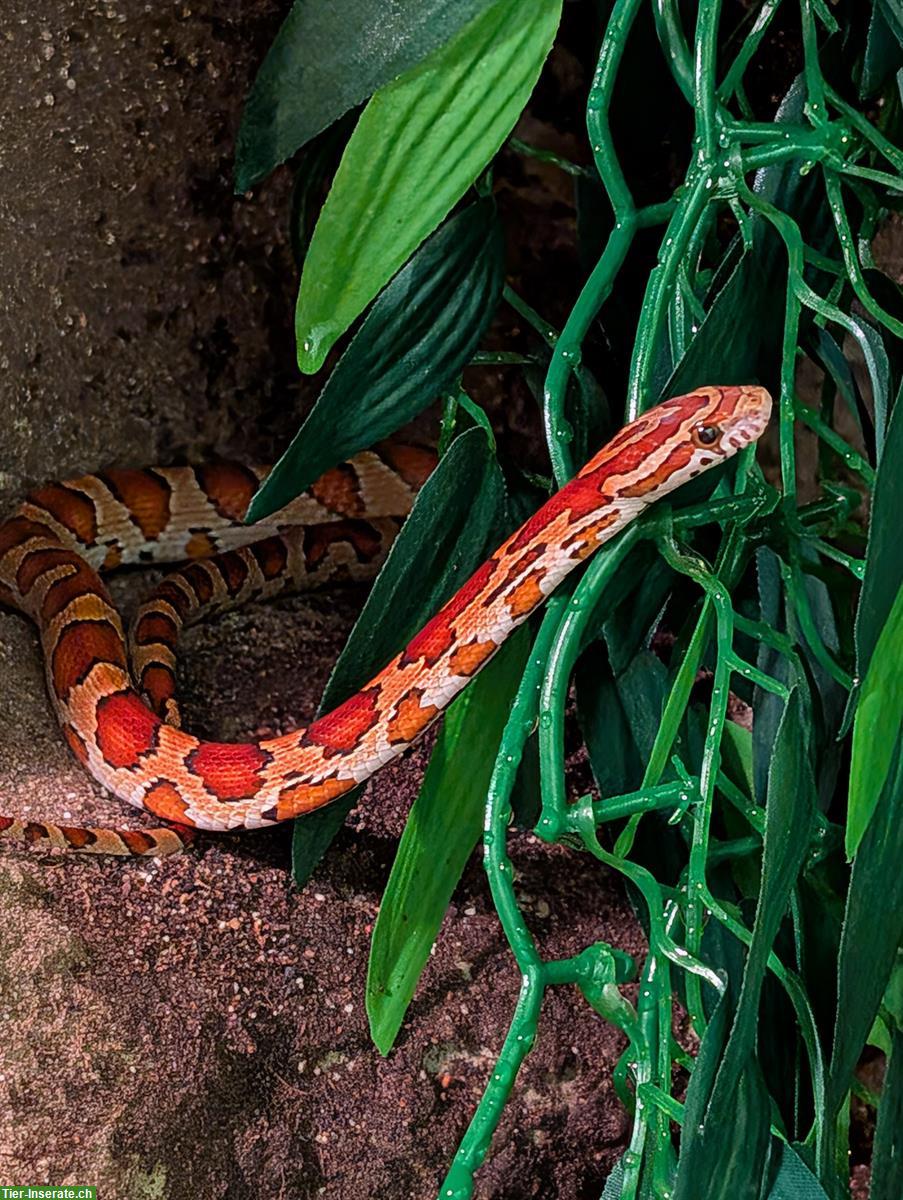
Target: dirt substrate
194,1028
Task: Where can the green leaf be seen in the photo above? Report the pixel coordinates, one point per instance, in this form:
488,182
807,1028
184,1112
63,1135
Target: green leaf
879,719
737,757
794,1180
714,1162
892,11
768,708
832,359
642,689
454,523
630,628
874,353
315,166
789,813
440,833
419,144
882,54
326,59
721,1171
887,1155
884,559
872,933
612,1189
413,343
741,320
613,756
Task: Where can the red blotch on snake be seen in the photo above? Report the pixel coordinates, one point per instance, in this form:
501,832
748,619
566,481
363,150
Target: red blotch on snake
230,771
126,729
340,731
438,635
80,646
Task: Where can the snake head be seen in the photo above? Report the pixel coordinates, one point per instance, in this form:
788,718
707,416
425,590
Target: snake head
727,419
679,439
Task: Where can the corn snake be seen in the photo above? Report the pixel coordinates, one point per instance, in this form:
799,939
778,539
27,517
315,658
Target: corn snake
127,733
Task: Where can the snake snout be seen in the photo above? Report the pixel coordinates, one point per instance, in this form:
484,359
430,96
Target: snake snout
752,411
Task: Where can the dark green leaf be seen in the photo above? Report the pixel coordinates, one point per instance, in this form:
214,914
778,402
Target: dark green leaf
887,1156
418,146
821,921
455,521
440,833
413,343
642,690
827,713
605,726
630,627
328,58
832,359
874,353
714,1161
879,719
794,1180
789,814
892,11
612,1189
741,320
317,165
872,933
884,559
882,54
737,757
767,707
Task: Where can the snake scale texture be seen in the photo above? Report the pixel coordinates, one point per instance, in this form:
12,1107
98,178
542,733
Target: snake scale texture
117,710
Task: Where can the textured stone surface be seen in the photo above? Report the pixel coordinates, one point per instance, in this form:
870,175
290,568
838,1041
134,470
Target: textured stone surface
145,312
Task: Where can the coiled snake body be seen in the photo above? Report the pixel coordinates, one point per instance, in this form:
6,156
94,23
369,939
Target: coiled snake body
123,725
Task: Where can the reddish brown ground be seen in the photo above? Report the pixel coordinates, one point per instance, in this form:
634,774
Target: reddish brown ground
194,1027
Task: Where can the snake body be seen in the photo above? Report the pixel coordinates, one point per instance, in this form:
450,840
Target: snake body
123,725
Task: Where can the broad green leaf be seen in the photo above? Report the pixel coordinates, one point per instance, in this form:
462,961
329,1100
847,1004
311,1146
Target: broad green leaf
326,59
315,166
884,559
832,359
613,756
630,627
642,690
612,1189
820,926
737,756
742,325
456,520
768,708
418,146
440,833
892,10
829,697
789,813
887,1155
413,343
794,1180
872,933
876,730
874,354
714,1162
882,54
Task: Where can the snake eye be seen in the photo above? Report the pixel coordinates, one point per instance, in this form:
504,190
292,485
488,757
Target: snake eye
706,435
